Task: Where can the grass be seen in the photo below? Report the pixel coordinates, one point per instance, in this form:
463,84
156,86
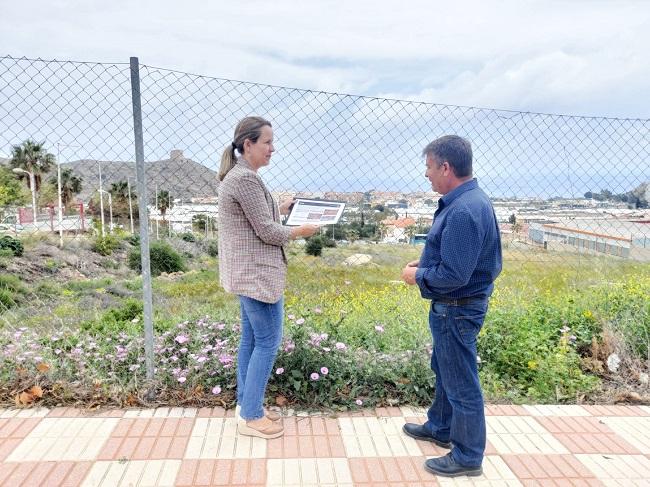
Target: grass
547,311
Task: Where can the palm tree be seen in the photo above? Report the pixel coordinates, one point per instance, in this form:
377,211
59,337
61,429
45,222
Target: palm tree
31,156
70,185
120,193
120,190
164,202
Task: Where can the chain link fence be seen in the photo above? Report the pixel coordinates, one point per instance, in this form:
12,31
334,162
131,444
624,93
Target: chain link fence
567,190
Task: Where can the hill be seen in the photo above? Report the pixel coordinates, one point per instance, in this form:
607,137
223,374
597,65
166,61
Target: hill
182,177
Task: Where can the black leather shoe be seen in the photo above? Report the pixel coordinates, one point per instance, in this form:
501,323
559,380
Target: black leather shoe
419,432
447,467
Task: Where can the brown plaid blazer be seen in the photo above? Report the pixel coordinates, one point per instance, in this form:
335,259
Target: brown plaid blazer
252,261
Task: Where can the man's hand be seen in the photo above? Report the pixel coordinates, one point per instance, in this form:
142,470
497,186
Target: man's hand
413,263
408,273
285,206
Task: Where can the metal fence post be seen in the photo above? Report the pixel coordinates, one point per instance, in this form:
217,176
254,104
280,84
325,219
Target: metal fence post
144,231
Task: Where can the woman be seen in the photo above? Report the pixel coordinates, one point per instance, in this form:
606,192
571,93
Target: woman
253,265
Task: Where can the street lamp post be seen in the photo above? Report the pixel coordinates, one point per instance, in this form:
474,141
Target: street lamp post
58,186
110,209
128,185
101,198
32,185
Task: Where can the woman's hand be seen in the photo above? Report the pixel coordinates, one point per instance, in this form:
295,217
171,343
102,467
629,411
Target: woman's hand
306,230
286,205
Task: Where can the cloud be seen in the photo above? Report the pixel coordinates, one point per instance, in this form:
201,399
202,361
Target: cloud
579,57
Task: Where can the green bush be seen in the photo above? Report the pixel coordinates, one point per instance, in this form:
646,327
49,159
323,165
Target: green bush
314,246
8,242
105,245
12,291
126,317
133,239
188,237
162,257
212,247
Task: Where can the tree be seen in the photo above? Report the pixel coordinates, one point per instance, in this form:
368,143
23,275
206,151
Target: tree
31,156
409,232
163,202
314,245
513,219
11,191
120,193
70,185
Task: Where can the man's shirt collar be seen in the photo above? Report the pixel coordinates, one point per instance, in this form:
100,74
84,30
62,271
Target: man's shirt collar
447,199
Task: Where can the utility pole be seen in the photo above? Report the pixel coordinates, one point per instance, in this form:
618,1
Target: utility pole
101,198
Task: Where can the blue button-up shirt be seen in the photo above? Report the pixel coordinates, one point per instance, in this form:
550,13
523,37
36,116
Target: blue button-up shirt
462,254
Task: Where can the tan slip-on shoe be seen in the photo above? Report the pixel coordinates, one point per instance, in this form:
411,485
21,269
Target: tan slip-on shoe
272,415
262,428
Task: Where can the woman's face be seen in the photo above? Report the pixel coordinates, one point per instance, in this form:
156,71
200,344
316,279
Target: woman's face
258,154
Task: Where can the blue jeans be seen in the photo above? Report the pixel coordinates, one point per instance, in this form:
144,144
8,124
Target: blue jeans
261,334
457,413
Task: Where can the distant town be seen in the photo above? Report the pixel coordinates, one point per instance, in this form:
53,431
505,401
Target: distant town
601,223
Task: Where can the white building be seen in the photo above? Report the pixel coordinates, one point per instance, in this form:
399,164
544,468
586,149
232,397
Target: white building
620,238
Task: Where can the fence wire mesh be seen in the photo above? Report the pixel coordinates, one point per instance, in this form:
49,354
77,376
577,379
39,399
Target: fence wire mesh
567,190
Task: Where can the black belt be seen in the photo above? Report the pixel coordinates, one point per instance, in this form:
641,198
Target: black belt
456,301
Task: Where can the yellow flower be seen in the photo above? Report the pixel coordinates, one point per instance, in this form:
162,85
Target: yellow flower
532,364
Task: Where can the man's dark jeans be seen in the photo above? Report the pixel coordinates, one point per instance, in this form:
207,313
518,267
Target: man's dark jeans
457,411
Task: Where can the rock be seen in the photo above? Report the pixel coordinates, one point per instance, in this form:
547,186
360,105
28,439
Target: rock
644,378
613,362
358,259
627,397
118,291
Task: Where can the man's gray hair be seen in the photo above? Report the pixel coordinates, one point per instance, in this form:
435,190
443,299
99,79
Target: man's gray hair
456,150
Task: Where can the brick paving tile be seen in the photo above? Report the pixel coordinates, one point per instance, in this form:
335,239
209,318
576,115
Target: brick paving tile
504,410
610,410
148,438
221,472
64,413
541,467
586,435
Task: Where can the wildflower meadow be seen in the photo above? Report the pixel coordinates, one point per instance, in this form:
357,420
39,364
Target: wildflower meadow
358,338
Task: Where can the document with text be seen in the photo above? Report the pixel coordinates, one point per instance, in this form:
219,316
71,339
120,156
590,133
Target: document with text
316,212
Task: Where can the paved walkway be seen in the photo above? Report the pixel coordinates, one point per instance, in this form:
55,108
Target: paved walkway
527,445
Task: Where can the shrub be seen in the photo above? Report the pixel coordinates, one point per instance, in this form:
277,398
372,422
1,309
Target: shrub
314,246
162,257
105,245
117,320
133,239
8,242
212,248
12,291
188,237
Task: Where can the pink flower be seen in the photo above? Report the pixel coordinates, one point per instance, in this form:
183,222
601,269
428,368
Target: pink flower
181,379
279,371
340,346
318,311
379,329
324,370
291,317
300,321
359,402
216,390
314,376
347,283
181,339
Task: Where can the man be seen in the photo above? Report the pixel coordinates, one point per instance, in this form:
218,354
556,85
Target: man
459,263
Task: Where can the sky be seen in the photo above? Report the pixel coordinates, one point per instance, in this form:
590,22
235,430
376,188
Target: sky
580,57
343,84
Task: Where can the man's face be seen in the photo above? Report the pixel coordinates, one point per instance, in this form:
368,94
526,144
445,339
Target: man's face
437,174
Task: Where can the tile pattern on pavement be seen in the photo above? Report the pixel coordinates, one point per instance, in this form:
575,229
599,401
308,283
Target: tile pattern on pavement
527,445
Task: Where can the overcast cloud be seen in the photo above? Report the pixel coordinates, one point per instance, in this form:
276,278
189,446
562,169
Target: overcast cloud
571,57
